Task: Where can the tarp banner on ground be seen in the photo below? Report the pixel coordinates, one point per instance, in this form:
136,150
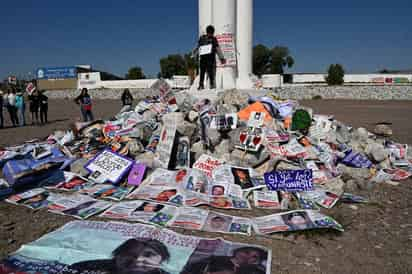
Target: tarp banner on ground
133,248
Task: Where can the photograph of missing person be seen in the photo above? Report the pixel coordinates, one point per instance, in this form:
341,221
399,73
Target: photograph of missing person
298,221
77,210
166,195
134,256
149,207
216,222
218,190
37,201
242,177
241,260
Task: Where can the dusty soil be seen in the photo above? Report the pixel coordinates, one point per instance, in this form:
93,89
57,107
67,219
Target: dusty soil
377,237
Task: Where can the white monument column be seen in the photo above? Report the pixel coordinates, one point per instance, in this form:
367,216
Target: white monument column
244,43
205,15
224,21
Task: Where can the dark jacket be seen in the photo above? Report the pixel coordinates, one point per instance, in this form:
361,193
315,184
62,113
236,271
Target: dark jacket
127,99
205,40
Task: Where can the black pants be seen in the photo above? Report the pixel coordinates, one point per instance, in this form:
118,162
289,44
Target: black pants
210,68
34,116
13,115
43,114
1,117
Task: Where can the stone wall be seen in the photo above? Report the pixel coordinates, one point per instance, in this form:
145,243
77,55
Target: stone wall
101,93
401,92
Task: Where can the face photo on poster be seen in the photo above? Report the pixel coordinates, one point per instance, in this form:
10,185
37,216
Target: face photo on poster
242,177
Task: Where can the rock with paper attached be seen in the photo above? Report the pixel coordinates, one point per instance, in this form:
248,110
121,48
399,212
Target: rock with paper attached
185,101
186,129
135,147
214,136
383,130
233,97
360,135
223,148
342,133
239,157
176,117
377,152
193,116
147,158
78,167
360,175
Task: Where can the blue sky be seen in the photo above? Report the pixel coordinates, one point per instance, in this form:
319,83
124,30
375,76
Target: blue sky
364,36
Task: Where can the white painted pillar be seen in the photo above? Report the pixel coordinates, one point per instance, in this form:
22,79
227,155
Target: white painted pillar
205,15
224,21
244,43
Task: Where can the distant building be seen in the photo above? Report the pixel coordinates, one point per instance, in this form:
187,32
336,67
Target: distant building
60,78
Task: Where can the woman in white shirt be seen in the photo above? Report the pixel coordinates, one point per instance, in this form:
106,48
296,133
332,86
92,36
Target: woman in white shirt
11,107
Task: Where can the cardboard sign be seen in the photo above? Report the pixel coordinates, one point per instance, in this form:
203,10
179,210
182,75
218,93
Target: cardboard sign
108,166
206,49
30,88
290,180
136,174
256,119
207,164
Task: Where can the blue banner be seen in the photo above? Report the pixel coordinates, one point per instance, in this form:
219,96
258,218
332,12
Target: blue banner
56,73
290,180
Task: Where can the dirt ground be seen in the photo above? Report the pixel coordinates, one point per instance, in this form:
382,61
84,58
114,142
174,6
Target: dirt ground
377,237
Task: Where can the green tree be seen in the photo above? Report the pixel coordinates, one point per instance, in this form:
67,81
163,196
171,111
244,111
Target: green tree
135,73
335,75
280,59
173,64
261,59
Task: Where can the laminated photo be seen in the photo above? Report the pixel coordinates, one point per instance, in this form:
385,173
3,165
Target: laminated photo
266,199
296,220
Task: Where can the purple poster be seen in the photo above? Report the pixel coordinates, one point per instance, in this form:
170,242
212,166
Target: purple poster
290,180
136,174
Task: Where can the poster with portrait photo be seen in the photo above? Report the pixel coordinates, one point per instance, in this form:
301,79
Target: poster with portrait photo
216,222
219,256
242,177
113,247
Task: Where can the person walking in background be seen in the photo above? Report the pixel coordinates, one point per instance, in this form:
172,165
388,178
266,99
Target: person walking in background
207,49
85,102
21,108
127,100
11,107
44,107
1,109
34,107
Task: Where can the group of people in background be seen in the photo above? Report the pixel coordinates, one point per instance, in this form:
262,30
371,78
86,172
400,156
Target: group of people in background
14,101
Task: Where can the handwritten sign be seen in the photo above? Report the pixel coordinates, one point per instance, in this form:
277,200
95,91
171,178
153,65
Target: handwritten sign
166,143
207,164
108,166
290,180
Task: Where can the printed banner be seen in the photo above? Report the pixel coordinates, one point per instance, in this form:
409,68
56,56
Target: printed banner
111,247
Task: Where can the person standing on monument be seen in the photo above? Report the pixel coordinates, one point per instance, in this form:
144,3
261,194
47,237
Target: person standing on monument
207,49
